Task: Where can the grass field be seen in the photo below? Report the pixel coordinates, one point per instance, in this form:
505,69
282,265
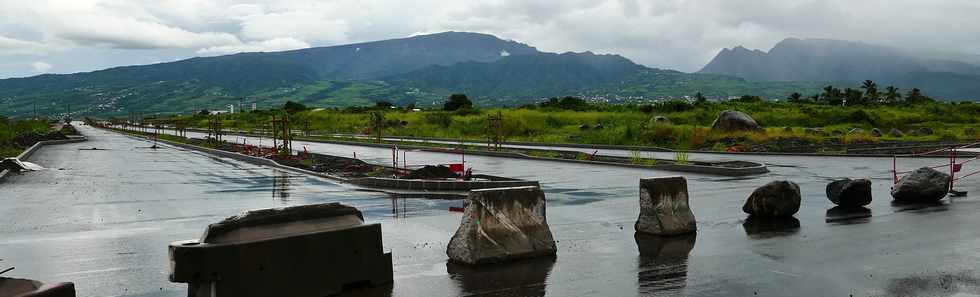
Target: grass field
689,125
11,128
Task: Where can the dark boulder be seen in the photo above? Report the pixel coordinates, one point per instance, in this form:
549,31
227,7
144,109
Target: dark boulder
731,120
775,199
924,185
924,131
876,132
895,133
661,120
850,192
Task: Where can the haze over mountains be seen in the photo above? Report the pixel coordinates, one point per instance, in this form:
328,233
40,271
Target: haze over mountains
425,69
845,61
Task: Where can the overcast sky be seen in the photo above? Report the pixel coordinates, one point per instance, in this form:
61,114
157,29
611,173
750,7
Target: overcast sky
47,36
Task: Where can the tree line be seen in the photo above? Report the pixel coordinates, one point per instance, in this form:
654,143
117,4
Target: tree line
867,94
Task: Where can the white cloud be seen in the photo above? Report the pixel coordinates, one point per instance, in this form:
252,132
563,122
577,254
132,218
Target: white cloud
11,46
131,33
40,67
271,45
679,34
296,24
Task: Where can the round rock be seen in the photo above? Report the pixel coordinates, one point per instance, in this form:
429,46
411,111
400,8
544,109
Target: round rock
731,120
850,192
775,199
924,185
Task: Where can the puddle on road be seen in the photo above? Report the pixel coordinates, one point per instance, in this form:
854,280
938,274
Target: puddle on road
766,227
521,278
663,263
846,216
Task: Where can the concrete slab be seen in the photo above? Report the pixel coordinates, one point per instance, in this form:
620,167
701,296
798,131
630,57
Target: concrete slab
303,251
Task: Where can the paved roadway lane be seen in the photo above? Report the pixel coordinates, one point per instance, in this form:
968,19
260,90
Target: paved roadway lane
109,234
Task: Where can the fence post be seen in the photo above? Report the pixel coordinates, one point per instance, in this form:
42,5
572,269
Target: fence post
894,169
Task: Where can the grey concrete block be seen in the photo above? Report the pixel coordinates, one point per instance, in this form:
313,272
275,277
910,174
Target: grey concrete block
31,288
664,208
501,225
314,250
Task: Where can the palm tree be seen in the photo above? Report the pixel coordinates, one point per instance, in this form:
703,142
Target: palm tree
828,92
870,90
795,98
892,95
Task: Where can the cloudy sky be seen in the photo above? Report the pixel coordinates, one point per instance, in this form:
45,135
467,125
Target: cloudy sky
64,36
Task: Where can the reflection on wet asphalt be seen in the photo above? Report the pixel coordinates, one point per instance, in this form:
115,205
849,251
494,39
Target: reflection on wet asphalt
105,220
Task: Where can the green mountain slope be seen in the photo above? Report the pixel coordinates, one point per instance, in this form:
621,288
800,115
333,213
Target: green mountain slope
836,60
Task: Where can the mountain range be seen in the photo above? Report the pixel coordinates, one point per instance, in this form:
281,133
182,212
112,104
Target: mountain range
845,61
425,69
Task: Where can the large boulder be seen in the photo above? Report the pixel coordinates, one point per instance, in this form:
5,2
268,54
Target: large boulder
731,120
850,192
895,133
661,120
924,185
876,132
775,199
924,131
664,208
501,225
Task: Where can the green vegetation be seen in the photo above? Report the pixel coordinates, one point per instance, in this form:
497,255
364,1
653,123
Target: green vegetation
9,129
679,124
543,154
681,157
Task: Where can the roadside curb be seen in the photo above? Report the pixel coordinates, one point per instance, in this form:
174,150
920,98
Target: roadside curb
26,154
364,184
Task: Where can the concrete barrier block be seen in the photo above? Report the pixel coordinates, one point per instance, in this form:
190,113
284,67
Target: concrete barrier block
32,288
664,208
312,250
500,225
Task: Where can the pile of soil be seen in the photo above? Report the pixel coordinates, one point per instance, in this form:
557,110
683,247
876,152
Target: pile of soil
28,139
431,172
68,130
340,165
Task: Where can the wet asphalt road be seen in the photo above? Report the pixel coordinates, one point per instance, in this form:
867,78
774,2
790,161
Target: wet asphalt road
104,222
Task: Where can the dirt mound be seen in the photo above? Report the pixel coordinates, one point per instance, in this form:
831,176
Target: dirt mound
68,130
431,172
30,138
341,165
